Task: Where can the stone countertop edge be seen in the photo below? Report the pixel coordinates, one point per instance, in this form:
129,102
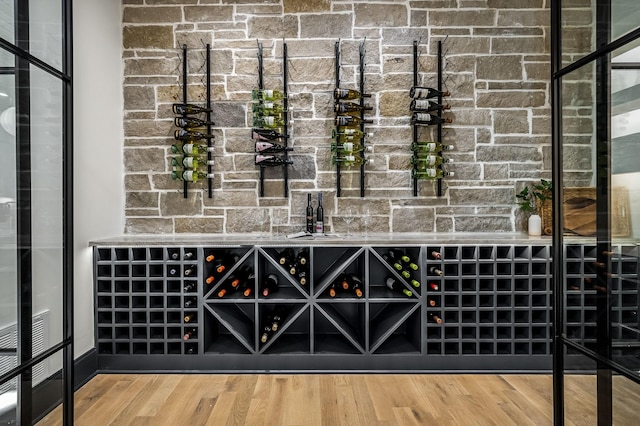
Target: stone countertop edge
327,240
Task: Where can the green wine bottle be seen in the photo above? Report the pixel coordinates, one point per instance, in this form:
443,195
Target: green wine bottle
188,109
191,162
431,174
190,175
346,107
267,108
350,160
268,121
349,147
267,95
190,135
191,123
428,162
348,94
191,149
430,147
348,120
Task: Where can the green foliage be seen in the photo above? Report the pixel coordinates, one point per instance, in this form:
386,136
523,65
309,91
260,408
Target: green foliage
529,198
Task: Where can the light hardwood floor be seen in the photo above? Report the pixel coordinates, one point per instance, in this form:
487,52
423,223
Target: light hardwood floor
332,399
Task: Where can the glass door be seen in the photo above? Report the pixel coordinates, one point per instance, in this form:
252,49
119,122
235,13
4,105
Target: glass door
36,356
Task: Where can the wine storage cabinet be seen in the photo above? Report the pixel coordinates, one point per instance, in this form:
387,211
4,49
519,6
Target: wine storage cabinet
493,302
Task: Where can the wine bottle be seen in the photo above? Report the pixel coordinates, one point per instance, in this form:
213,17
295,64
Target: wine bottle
396,264
191,149
210,279
349,94
344,282
434,286
349,120
190,302
332,289
210,257
191,162
271,161
342,107
191,316
356,285
278,317
435,254
188,109
267,95
303,257
426,92
350,160
415,283
399,255
189,334
429,162
406,274
191,175
425,105
188,135
428,119
430,147
268,121
302,276
349,134
320,216
190,270
269,285
271,148
397,286
188,255
189,287
266,135
190,122
431,174
431,302
435,318
433,270
266,333
309,214
286,256
267,108
349,148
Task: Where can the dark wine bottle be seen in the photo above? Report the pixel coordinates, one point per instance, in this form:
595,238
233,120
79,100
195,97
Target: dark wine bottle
415,283
187,135
309,214
303,257
435,318
210,258
190,270
341,107
356,285
190,303
425,105
320,216
189,287
349,94
433,270
190,334
266,333
393,262
344,282
349,120
266,134
428,119
397,286
188,109
301,275
332,289
431,302
426,92
434,286
435,254
286,257
271,160
269,285
279,315
271,148
190,122
191,316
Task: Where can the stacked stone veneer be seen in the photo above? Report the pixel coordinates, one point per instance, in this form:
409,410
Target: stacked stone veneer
497,69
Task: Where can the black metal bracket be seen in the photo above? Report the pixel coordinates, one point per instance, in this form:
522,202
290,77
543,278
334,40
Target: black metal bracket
185,184
209,142
338,59
439,130
362,123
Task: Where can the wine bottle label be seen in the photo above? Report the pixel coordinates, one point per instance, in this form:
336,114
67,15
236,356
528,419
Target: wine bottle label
188,162
188,175
422,104
349,131
319,226
431,172
347,146
268,105
269,120
430,160
422,116
420,92
267,94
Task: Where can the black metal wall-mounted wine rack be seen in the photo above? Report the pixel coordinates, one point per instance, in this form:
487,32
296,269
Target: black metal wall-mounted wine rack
208,119
282,158
362,120
438,112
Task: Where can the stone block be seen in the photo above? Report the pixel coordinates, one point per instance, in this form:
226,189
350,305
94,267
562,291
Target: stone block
509,31
141,199
444,224
433,4
505,67
483,224
306,69
522,4
233,199
577,157
508,153
510,121
141,212
148,128
326,25
229,114
415,219
463,45
403,36
206,13
137,182
462,18
397,63
139,97
307,6
394,104
511,99
152,15
147,37
269,27
199,225
519,45
148,226
144,160
529,18
154,67
380,15
303,167
496,171
481,196
174,204
312,48
469,117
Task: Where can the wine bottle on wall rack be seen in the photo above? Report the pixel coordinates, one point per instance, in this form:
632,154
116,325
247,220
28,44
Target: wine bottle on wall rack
350,94
191,149
397,286
191,162
350,160
191,123
428,119
191,175
191,316
430,147
431,174
189,287
426,92
266,134
188,109
346,107
425,105
267,95
349,147
267,108
349,120
271,148
434,286
429,161
268,121
348,134
189,135
309,216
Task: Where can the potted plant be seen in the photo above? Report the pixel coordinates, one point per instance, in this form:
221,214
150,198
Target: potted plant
530,200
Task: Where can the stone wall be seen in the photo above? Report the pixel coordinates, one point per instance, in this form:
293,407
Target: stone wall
497,69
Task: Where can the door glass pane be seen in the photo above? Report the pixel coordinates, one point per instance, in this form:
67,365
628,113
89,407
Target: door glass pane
45,31
6,21
625,401
625,17
48,389
580,389
46,207
577,29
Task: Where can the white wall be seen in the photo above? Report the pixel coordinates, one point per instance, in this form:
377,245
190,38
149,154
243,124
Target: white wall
98,140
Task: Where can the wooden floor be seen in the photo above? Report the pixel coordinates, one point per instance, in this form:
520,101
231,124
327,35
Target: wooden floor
330,399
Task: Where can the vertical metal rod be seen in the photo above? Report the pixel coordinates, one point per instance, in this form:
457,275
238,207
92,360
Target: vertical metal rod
68,370
286,118
260,87
209,141
185,185
337,52
440,111
415,127
362,124
557,280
